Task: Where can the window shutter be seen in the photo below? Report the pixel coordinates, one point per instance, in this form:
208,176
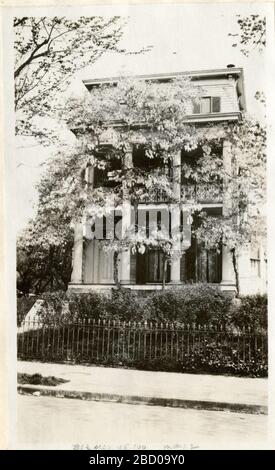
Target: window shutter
216,104
133,262
196,108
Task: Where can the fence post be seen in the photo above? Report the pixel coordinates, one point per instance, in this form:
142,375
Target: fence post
144,339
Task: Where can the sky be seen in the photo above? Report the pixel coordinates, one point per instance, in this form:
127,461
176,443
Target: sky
182,38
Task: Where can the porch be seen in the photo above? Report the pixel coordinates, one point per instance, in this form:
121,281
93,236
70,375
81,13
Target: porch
144,272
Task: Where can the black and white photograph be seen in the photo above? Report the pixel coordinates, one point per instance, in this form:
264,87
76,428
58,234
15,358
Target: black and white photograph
137,156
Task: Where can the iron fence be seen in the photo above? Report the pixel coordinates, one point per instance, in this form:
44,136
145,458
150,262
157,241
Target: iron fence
129,343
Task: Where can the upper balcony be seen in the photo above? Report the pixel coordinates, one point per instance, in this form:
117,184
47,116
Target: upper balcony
211,193
157,182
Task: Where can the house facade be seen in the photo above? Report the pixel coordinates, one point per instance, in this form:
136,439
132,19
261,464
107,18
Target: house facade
222,100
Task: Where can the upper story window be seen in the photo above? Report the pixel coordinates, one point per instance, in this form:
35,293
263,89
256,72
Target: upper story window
189,160
195,183
207,105
142,161
102,172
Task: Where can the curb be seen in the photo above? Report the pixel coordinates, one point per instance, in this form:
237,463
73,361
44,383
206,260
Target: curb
143,400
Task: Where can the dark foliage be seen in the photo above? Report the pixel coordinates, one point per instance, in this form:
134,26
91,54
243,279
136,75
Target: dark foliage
38,379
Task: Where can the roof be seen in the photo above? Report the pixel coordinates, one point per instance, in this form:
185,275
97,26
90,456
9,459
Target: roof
195,75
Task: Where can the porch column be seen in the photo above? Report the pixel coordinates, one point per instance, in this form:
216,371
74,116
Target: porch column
176,255
125,255
175,220
76,277
228,282
177,176
89,176
227,165
126,222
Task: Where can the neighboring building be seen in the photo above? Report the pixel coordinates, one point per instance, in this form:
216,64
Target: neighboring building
93,269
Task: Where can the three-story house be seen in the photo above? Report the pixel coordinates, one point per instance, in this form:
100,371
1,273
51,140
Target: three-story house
222,100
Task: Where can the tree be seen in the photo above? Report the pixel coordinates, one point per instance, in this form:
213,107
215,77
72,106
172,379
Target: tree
248,185
242,224
43,262
48,51
252,33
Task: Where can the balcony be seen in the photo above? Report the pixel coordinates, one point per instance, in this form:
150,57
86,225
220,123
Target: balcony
161,193
198,193
202,193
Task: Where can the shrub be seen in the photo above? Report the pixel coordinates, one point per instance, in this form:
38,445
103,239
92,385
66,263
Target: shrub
24,304
201,304
67,307
198,303
250,312
125,305
122,304
38,379
52,308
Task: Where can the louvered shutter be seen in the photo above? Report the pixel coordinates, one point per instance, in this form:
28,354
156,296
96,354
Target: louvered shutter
216,104
196,108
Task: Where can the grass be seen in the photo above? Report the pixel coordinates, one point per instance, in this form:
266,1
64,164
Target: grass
38,379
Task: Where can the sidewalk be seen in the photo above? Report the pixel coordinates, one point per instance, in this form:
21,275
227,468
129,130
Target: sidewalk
152,388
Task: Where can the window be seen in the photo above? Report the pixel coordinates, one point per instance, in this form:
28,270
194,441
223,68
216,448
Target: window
208,104
142,161
199,264
205,105
190,159
196,187
118,226
255,260
150,267
102,174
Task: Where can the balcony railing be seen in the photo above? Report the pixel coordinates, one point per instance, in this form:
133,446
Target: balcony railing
202,193
158,195
163,192
199,193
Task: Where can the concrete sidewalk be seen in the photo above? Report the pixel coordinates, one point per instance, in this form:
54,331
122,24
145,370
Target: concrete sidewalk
152,388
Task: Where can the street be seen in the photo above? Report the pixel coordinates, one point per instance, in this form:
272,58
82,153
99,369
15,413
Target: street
60,423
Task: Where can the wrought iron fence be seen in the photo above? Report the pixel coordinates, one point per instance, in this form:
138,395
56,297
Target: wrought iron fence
130,343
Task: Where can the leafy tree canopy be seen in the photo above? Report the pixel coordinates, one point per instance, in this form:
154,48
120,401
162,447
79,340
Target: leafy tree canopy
48,51
252,33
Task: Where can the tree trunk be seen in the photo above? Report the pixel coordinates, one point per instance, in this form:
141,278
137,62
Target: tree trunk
234,261
116,269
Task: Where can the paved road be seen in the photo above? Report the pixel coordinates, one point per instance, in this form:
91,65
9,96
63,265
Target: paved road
49,422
